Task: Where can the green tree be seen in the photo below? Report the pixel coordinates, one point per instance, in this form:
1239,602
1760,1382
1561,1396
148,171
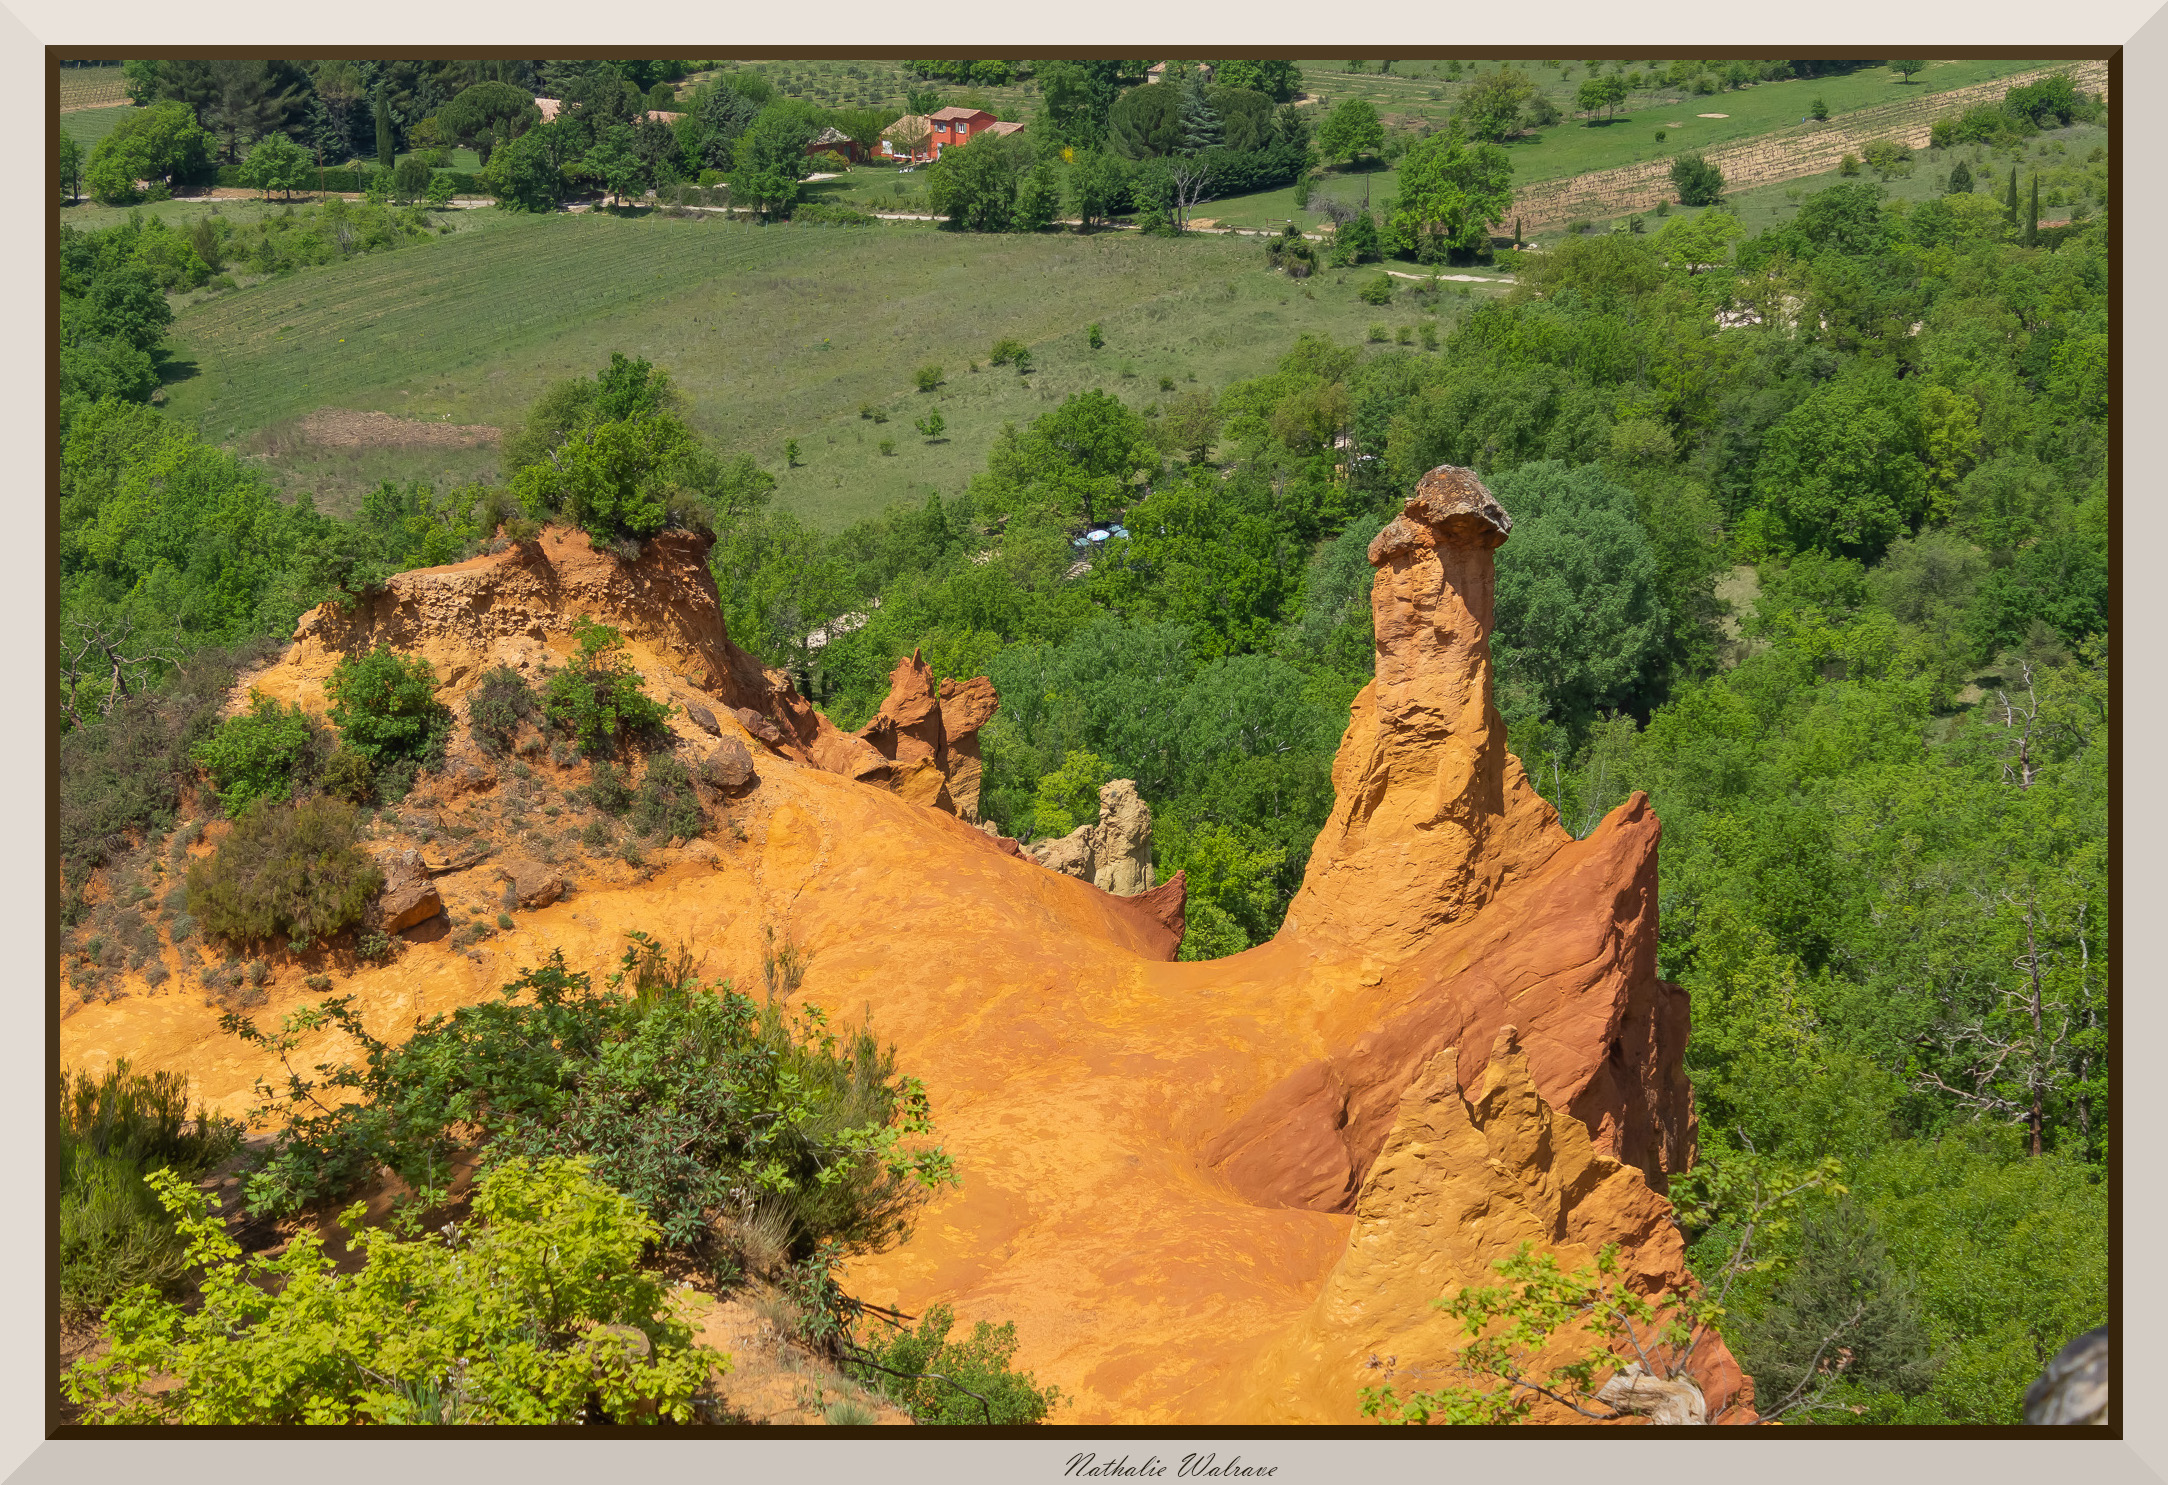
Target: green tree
1606,93
1700,242
487,115
524,175
386,140
1197,120
1580,617
1279,80
1077,96
410,180
769,163
1190,425
1845,470
624,478
942,1380
1097,187
163,143
613,161
1906,69
1960,179
1697,181
287,872
1069,796
276,163
1490,107
1450,195
975,187
1350,131
71,169
1038,199
1145,123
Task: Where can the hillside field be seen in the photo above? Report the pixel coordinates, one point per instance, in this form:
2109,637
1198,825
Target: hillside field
773,333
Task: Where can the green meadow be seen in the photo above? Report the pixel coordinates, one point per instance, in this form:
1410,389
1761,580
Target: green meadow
773,333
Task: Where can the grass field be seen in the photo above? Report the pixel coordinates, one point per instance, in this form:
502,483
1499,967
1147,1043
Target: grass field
773,333
1413,94
86,126
1572,148
1771,206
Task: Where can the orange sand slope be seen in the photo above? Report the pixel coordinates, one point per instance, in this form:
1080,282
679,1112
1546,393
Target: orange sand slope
1204,1192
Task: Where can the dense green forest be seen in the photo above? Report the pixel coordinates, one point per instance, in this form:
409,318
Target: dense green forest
1828,579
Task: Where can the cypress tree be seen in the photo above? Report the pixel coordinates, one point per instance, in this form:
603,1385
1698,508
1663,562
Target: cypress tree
386,152
1960,179
2032,218
1200,126
2012,203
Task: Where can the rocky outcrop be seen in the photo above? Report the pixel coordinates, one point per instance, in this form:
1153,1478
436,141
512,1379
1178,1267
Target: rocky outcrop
1461,1181
1122,841
1204,1192
1443,865
1431,815
927,737
530,884
966,706
729,766
409,896
1114,852
2074,1388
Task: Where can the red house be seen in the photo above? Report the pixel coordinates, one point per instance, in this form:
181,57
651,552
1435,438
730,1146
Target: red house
956,126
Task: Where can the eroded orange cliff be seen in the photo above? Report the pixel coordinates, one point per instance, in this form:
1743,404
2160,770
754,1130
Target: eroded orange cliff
1204,1192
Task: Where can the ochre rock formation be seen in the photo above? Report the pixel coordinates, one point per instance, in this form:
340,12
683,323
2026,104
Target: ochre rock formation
928,737
1461,1182
1204,1192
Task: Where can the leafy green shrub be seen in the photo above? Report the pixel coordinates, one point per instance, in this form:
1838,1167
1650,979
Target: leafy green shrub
940,1381
263,753
517,1317
348,775
667,806
498,706
599,700
386,709
113,1129
1005,350
286,871
926,378
1697,181
1378,290
692,1100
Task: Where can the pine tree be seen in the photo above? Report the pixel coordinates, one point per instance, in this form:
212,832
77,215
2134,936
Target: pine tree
1200,126
1960,179
2032,218
384,133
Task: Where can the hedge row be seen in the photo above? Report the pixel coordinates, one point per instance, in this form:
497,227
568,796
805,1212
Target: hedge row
464,183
